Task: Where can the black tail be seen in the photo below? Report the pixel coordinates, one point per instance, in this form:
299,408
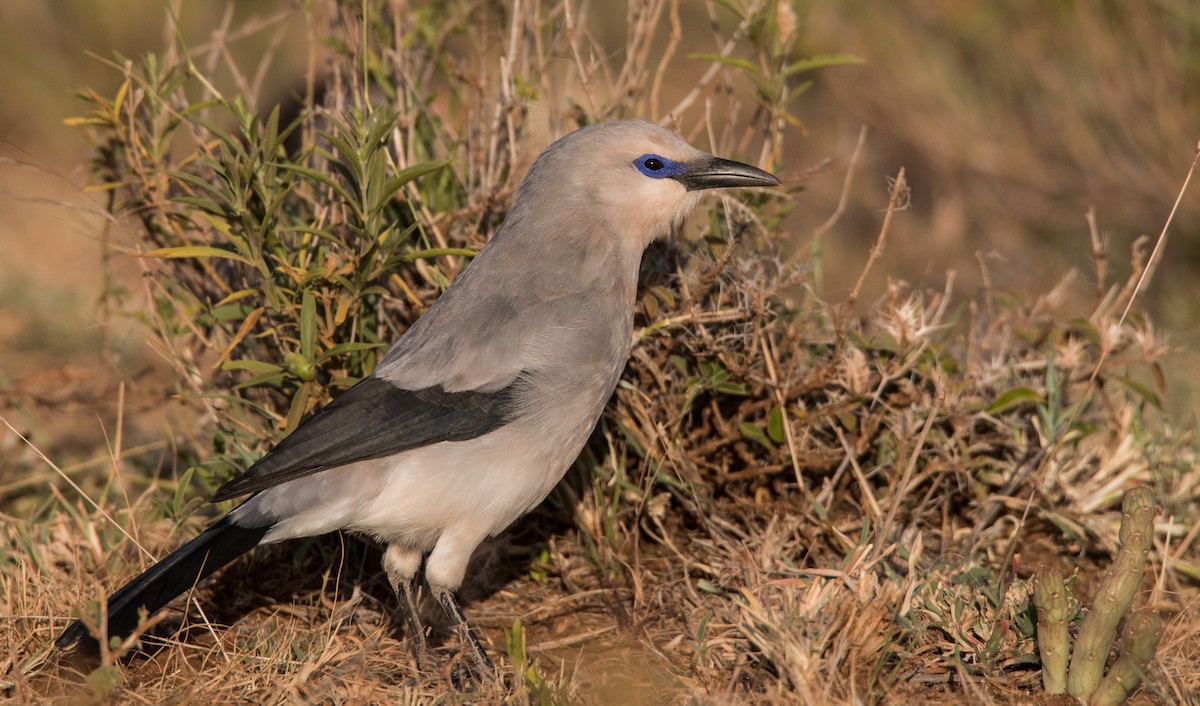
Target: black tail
214,548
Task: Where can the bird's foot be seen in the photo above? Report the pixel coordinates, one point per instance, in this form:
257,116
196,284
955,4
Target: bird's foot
483,667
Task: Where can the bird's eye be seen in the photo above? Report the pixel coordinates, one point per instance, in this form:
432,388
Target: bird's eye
657,167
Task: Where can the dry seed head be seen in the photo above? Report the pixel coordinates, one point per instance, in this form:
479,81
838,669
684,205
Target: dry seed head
657,507
854,372
1054,299
1144,338
1115,338
1071,353
905,322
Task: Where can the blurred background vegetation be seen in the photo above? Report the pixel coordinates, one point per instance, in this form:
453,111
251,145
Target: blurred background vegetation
1012,120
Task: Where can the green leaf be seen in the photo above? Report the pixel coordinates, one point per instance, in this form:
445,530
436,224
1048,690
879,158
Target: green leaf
299,405
205,205
753,432
228,313
516,646
180,489
322,178
822,61
347,154
254,366
201,184
1012,398
193,251
238,242
308,325
1142,391
728,61
430,253
265,379
343,348
775,428
414,172
731,388
661,476
236,296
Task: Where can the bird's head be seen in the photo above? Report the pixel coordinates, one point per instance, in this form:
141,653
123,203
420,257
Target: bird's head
638,178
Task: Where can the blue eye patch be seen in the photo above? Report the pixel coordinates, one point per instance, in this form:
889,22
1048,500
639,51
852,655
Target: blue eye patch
657,167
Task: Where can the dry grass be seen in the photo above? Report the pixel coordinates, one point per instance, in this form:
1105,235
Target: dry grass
789,500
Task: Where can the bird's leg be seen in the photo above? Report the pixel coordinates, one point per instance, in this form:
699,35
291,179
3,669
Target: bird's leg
444,571
401,565
483,665
406,591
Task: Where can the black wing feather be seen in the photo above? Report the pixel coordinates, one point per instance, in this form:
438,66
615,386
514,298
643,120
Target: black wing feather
373,418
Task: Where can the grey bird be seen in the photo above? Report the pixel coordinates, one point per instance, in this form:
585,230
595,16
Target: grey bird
481,406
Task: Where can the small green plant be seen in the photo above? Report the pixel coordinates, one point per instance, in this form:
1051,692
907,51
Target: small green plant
278,249
1085,679
527,679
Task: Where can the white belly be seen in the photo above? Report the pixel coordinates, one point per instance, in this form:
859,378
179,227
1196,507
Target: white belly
479,486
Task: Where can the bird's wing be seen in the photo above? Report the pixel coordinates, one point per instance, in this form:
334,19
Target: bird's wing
374,418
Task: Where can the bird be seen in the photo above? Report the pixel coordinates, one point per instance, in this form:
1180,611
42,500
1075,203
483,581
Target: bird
480,407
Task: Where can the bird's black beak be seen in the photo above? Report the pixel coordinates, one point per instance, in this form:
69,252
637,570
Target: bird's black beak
710,172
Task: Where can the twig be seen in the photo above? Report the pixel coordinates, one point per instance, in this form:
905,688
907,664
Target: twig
844,199
1099,257
714,68
898,190
672,46
585,75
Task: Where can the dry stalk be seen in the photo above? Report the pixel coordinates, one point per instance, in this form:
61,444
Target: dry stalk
844,197
896,196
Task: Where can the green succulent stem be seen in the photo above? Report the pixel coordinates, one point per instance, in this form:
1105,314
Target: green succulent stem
1050,598
1114,597
1143,630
